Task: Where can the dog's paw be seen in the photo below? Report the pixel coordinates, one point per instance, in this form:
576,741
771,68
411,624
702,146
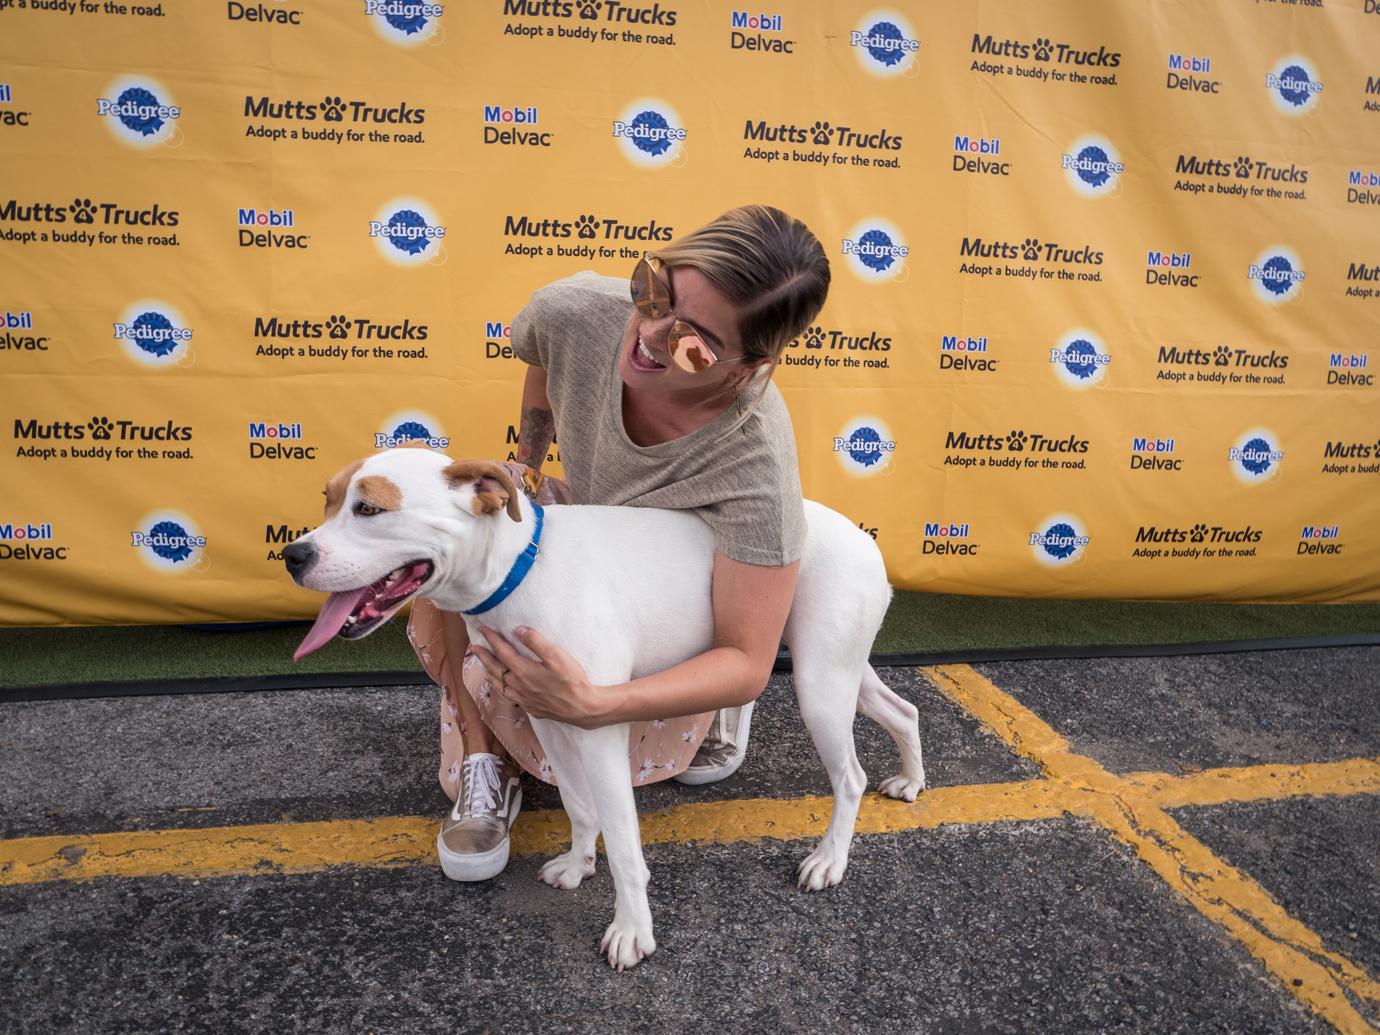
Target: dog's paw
566,871
903,787
822,868
626,945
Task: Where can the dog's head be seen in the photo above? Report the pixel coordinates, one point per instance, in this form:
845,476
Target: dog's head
396,524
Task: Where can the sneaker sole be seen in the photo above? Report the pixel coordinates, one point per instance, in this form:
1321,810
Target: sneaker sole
713,774
473,866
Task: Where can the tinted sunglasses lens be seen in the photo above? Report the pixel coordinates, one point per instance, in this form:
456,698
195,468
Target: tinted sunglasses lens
649,292
688,350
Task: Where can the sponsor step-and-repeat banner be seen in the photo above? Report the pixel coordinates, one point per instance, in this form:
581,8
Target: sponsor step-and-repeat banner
1103,320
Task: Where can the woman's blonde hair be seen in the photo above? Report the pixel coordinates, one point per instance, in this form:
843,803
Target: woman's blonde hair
769,265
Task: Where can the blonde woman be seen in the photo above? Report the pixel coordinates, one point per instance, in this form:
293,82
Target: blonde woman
658,388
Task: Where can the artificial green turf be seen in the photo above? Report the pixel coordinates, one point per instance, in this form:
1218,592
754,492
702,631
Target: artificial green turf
917,623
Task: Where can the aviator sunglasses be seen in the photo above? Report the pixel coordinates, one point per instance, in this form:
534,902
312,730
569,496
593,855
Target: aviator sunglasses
651,294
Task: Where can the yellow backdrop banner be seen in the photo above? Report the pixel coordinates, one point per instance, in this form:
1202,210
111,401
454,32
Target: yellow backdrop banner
1102,324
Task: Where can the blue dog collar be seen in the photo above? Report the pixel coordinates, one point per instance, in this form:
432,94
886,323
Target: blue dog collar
517,573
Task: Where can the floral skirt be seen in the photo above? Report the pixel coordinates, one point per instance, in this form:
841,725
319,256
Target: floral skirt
656,750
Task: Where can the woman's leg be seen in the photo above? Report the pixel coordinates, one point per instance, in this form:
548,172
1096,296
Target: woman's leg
474,734
440,640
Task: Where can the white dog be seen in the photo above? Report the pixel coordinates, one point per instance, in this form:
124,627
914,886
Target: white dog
626,592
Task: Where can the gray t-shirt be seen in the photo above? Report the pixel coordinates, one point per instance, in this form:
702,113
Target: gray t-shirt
744,483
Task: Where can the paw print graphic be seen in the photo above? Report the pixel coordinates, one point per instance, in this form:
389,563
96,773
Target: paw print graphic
1243,167
337,326
814,338
334,109
589,9
101,428
1015,441
1198,532
1043,47
1030,249
83,211
1221,356
823,132
585,226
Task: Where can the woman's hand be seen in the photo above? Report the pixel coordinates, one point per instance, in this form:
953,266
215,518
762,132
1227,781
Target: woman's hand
552,687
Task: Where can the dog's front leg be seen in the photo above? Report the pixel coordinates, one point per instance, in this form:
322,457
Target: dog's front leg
567,871
604,758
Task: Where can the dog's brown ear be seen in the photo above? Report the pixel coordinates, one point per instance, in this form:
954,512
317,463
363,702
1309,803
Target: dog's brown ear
493,486
337,486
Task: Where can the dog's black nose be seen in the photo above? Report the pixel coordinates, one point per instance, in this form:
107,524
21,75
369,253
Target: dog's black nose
299,557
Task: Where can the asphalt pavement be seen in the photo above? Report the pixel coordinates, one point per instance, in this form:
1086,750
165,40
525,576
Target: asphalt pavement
1143,845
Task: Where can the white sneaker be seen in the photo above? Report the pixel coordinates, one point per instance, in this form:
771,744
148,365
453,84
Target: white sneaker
723,749
473,842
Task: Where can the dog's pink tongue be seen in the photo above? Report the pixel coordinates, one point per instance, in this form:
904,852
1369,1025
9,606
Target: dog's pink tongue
337,608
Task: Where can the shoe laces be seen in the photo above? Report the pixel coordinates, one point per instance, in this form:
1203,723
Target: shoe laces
481,784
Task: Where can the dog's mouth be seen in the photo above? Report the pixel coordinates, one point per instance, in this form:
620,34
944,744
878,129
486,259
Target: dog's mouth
356,613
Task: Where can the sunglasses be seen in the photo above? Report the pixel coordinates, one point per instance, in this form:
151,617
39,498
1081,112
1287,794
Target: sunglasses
651,294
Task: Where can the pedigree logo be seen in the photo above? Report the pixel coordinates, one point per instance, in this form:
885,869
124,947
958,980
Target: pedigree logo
406,23
140,112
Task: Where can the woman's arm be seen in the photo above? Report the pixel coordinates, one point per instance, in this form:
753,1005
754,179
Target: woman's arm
537,429
751,603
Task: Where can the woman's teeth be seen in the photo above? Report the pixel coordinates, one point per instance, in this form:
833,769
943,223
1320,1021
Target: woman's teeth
645,352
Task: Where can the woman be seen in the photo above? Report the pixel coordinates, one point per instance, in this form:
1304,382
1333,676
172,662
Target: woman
659,391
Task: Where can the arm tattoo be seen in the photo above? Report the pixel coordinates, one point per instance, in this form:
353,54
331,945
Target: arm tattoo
537,433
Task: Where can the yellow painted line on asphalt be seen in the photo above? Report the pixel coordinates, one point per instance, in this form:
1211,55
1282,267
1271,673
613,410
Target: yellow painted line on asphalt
1132,809
1261,783
404,840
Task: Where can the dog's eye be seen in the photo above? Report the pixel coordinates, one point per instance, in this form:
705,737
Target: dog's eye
366,509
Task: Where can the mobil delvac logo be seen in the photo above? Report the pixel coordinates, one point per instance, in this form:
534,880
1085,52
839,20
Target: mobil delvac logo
154,334
943,538
269,228
1165,268
885,44
169,541
1358,184
1256,456
1092,166
514,126
16,333
410,426
1322,540
650,134
1080,360
408,232
1191,73
406,23
759,32
1276,275
959,352
1059,540
876,250
1153,453
279,440
864,447
140,112
1294,85
11,116
979,155
27,541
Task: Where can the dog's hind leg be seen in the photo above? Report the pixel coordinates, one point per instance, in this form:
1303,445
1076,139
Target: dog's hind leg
566,871
828,695
899,718
603,755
